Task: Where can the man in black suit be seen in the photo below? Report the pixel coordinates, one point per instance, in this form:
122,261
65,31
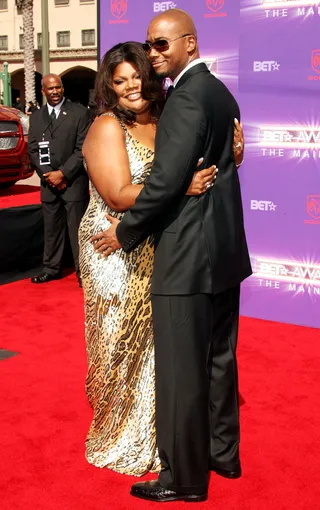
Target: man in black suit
57,132
201,257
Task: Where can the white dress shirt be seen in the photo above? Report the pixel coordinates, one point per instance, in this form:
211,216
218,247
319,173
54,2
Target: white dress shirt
56,108
189,66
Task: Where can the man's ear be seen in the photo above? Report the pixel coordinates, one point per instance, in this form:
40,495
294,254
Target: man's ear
192,43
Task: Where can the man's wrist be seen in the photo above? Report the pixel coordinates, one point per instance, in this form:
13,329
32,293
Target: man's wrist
116,233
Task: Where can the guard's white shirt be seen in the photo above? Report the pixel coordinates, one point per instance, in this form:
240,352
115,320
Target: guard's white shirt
56,108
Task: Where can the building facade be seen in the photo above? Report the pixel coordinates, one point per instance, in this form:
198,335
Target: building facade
72,40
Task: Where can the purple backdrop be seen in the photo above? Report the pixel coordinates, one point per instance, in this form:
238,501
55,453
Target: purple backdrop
268,54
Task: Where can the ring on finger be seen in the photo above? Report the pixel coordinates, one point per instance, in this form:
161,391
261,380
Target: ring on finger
238,145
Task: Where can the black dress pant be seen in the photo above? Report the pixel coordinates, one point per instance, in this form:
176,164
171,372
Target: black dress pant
59,218
197,408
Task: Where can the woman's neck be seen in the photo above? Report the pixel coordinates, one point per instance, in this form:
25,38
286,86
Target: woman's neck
143,117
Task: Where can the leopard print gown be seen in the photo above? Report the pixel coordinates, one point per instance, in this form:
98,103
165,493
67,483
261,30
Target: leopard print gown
120,381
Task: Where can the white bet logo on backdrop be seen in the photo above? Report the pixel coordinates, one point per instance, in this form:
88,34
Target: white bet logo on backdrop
265,66
262,205
163,6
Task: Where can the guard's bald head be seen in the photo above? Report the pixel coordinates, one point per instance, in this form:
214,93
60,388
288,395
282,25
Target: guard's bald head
177,19
49,77
176,27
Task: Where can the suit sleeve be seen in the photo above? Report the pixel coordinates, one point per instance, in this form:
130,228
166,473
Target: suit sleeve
75,162
181,132
33,148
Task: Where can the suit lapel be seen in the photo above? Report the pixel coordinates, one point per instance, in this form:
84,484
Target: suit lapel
46,119
62,116
199,68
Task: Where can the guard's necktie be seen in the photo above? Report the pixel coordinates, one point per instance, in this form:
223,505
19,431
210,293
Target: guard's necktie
169,92
53,115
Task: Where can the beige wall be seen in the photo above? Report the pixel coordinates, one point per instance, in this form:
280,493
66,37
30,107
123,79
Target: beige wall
73,17
60,67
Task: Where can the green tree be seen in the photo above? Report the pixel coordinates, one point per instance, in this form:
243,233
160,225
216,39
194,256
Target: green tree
26,8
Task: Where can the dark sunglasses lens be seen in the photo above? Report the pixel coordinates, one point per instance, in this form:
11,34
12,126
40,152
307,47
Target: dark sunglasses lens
161,45
146,47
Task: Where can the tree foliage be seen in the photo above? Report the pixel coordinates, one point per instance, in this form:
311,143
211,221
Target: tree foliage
26,8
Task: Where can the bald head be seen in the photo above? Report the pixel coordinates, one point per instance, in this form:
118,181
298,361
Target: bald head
176,18
176,28
48,77
52,88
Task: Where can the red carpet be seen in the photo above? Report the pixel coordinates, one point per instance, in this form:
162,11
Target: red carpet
45,416
19,195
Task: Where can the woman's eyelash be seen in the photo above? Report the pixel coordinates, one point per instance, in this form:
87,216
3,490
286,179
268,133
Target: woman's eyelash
138,77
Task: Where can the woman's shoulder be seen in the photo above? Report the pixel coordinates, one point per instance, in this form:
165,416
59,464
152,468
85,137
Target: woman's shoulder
108,123
105,131
108,114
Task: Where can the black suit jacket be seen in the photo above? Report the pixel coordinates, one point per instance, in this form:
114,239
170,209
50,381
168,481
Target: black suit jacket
66,136
200,243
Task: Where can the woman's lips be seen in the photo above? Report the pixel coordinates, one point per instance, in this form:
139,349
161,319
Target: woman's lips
133,97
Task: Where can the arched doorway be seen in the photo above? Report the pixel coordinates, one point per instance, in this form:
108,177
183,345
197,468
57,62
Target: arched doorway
78,84
17,87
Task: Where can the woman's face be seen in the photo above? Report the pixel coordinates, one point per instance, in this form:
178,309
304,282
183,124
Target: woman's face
127,85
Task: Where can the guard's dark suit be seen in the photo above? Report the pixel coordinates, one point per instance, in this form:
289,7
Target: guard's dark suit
64,208
201,257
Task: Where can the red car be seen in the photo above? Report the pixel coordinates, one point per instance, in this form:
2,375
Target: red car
14,159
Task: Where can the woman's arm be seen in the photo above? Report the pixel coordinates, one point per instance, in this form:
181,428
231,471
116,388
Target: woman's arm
107,161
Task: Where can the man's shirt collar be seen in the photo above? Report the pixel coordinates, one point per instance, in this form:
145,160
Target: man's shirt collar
189,66
57,108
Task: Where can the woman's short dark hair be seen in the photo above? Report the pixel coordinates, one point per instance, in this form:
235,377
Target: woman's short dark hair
152,89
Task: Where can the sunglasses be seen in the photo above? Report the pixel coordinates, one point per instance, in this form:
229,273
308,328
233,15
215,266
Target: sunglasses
161,45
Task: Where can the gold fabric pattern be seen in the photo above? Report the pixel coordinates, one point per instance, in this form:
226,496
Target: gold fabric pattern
120,382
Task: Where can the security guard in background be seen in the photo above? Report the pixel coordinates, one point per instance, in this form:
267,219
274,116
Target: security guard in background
56,135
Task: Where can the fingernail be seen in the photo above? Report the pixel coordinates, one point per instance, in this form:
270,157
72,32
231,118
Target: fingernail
200,160
217,169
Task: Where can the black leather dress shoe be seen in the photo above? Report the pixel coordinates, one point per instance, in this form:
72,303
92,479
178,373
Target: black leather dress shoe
45,277
227,473
154,492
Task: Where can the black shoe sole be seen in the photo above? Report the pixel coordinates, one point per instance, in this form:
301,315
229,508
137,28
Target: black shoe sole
231,475
186,498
